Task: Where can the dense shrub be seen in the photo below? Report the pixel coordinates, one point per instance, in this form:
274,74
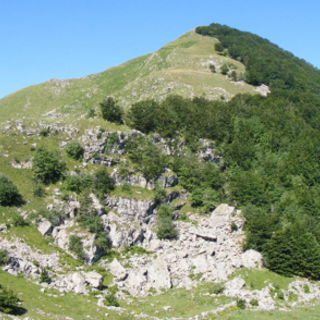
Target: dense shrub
77,183
111,111
75,246
102,182
47,165
74,150
224,69
8,300
4,257
44,276
18,221
9,194
146,157
111,300
165,227
102,241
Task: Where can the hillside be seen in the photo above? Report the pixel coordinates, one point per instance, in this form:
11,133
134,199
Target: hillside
180,67
191,193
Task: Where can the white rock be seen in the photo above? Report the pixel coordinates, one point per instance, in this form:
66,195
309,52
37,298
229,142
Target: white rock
45,227
251,259
94,279
232,287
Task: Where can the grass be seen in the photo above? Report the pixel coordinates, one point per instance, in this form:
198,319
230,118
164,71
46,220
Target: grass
41,306
133,192
180,67
258,279
309,313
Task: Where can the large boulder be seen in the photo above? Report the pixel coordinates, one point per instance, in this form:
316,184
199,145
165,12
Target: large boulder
45,227
94,279
251,259
158,275
232,287
117,270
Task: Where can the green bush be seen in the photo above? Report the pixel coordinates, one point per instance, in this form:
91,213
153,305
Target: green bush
44,132
212,68
165,228
103,242
218,47
102,182
47,165
111,111
8,300
74,150
9,194
75,246
254,302
224,69
111,300
44,276
146,156
91,113
18,220
241,304
77,183
4,257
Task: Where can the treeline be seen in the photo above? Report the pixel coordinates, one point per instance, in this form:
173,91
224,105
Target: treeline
265,62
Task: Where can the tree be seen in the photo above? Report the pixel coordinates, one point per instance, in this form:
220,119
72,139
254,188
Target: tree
102,181
166,229
111,111
294,251
74,150
47,165
218,47
8,300
9,194
142,115
224,69
4,257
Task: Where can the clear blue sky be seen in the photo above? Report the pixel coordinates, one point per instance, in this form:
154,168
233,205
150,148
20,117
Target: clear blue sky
43,39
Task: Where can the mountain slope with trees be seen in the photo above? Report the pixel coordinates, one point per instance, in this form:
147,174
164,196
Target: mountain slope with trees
162,141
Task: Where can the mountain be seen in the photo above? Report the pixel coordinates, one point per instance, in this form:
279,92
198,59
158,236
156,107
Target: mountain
180,67
183,184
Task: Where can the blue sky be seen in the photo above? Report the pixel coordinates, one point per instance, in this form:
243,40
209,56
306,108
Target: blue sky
43,39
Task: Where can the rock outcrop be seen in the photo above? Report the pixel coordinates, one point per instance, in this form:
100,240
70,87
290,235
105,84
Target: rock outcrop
206,248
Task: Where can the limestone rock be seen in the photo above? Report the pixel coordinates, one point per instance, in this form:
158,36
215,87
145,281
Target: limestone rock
94,279
233,286
158,275
45,227
117,270
251,259
130,208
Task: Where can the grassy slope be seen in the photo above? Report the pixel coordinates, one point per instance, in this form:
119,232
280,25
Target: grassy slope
183,303
179,67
